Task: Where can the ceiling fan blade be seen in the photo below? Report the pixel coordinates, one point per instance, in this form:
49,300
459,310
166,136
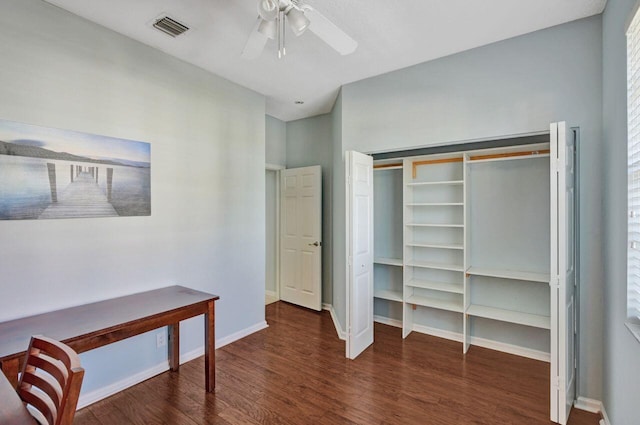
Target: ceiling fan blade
328,32
255,44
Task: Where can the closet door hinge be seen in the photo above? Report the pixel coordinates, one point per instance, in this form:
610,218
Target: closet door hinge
555,165
557,383
554,282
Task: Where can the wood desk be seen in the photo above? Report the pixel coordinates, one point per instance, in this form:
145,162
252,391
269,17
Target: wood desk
90,326
12,411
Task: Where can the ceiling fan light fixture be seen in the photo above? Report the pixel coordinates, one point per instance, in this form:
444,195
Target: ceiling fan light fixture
268,9
297,21
269,29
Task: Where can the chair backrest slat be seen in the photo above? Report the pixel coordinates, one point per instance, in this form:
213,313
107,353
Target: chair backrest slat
40,362
51,379
44,383
40,402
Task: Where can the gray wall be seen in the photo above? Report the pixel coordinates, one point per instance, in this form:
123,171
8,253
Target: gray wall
309,142
207,137
512,87
622,350
275,141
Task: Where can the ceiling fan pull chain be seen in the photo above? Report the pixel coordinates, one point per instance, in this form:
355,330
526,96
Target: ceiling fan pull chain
284,48
279,31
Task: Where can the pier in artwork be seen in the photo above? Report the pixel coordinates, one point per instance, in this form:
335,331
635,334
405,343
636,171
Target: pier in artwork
82,197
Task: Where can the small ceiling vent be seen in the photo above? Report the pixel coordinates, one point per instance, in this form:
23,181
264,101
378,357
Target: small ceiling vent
170,26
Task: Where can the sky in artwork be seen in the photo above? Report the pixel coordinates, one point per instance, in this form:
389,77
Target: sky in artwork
73,142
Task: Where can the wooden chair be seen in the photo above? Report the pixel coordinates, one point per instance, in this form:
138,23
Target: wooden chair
50,381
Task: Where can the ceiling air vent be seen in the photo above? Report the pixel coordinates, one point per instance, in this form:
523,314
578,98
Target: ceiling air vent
170,26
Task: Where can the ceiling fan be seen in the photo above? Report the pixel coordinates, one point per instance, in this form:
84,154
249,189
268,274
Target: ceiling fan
270,25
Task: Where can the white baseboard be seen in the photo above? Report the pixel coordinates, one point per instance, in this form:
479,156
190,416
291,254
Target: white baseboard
270,297
588,404
486,343
111,389
388,321
511,349
241,334
342,334
605,419
440,333
593,406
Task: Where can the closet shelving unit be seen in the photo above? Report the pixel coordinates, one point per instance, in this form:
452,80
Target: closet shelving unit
388,264
434,235
462,247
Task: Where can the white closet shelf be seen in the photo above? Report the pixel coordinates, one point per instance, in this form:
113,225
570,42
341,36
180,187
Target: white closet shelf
444,182
387,294
438,266
434,225
510,316
388,261
455,288
436,204
509,274
436,303
433,245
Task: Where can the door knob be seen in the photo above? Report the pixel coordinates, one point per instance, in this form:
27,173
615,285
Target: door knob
316,243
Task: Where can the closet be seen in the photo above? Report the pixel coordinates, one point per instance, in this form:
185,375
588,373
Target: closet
476,246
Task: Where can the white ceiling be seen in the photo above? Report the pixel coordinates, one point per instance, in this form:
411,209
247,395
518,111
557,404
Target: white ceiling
391,35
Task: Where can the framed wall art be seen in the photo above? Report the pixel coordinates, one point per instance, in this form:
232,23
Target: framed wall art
47,173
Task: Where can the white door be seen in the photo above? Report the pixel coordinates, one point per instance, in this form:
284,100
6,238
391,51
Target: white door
359,176
300,236
563,314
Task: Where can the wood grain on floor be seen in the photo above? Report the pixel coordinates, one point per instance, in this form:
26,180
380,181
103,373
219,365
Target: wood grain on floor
295,372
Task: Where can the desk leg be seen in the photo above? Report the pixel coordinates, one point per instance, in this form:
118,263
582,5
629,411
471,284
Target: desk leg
11,370
210,348
174,347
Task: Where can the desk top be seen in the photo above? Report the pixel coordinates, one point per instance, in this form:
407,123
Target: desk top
12,411
96,318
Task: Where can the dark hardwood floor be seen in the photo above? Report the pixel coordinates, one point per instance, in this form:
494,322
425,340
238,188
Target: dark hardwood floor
295,372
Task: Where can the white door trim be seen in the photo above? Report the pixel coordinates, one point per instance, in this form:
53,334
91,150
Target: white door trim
276,168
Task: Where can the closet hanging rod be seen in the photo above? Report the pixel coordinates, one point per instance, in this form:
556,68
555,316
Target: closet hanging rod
416,164
510,154
383,166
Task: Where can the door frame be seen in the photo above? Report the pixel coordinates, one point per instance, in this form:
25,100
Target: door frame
576,249
276,169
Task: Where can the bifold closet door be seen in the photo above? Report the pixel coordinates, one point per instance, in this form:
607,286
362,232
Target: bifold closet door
563,306
359,176
300,236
